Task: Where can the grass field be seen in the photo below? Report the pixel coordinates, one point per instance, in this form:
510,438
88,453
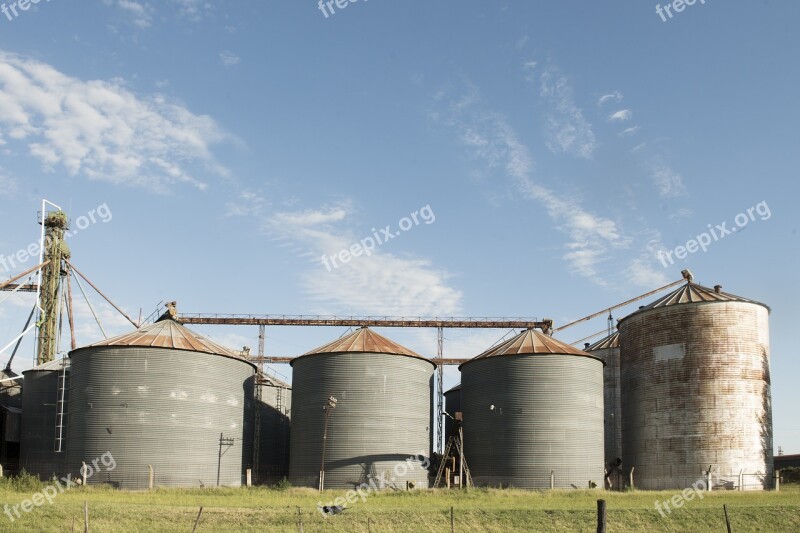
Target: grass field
479,510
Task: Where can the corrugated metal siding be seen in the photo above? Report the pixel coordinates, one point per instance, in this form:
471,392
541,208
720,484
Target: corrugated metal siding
696,392
161,407
452,404
384,415
38,430
273,461
548,415
612,402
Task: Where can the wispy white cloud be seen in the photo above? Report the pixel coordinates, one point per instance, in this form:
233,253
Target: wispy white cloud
228,58
381,284
491,138
141,13
102,130
668,182
627,132
567,130
8,184
615,96
248,203
623,115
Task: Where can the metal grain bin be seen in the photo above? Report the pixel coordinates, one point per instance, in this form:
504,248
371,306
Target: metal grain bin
166,397
696,390
452,404
38,431
608,350
383,414
533,405
275,409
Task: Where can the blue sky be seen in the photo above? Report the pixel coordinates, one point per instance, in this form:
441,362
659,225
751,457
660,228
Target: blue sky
558,145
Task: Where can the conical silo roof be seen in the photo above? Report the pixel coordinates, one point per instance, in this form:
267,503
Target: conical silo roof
530,342
364,340
692,293
167,333
612,341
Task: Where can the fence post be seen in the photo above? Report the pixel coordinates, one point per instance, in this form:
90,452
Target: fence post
631,477
709,483
1,470
552,479
777,480
601,516
741,479
83,473
150,477
452,520
249,477
85,516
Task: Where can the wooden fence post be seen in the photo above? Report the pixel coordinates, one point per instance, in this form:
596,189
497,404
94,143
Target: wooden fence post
601,516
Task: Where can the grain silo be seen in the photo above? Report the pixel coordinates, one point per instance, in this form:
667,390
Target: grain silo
696,390
452,405
10,389
382,416
42,438
533,405
161,396
275,408
608,350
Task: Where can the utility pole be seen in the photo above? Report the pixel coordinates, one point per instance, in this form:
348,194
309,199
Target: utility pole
54,250
328,408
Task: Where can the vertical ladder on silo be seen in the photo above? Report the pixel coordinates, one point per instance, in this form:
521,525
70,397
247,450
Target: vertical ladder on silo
61,407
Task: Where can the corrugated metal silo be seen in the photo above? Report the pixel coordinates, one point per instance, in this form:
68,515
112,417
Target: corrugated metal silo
696,390
608,350
383,415
533,405
161,396
275,411
452,404
40,406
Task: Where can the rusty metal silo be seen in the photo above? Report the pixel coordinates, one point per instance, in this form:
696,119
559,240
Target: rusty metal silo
608,350
162,396
382,417
533,405
275,407
696,390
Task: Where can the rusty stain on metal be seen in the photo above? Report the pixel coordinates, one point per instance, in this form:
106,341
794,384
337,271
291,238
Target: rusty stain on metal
363,321
168,334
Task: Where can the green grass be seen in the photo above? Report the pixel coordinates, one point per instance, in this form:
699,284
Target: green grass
479,510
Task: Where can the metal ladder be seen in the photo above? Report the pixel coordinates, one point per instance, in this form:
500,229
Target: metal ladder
61,407
453,442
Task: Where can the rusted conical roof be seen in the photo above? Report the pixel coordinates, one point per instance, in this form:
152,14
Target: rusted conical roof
364,340
694,293
167,333
612,341
530,342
